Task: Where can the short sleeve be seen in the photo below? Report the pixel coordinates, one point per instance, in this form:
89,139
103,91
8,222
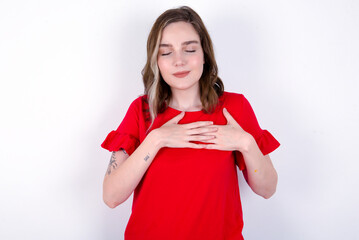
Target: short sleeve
264,139
127,134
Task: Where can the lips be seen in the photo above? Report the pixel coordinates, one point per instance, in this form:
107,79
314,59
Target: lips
181,74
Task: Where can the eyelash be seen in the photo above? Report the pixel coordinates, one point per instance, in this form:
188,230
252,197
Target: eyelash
189,51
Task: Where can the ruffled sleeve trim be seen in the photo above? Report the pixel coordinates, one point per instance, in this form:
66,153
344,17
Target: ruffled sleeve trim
115,141
266,143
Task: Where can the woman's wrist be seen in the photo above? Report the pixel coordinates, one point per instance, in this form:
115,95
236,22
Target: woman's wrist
155,139
247,143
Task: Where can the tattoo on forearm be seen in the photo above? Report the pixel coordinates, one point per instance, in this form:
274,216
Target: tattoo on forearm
123,150
112,165
147,157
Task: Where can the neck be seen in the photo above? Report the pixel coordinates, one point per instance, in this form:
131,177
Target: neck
186,100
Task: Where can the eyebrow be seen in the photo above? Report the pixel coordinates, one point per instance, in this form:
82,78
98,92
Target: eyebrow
184,43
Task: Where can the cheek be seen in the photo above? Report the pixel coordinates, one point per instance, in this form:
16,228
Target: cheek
163,66
198,62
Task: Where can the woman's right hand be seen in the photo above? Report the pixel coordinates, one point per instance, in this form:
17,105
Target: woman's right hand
174,135
127,171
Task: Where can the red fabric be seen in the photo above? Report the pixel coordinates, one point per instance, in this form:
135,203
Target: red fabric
188,193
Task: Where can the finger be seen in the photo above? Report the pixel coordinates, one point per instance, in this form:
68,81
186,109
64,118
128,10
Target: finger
200,138
209,146
214,133
176,119
202,130
215,146
211,140
228,116
218,147
197,124
230,119
195,145
198,145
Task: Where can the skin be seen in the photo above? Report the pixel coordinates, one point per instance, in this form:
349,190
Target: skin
179,52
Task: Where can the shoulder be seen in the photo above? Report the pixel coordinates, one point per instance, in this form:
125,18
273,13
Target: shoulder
231,98
141,102
236,103
140,108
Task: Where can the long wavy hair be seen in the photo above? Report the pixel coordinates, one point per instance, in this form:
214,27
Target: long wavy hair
157,90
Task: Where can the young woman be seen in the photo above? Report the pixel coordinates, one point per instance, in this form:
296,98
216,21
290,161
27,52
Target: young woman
178,146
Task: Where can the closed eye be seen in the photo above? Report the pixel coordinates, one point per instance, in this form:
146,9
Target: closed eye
189,51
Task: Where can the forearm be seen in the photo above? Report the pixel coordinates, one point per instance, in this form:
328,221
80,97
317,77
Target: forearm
261,175
122,181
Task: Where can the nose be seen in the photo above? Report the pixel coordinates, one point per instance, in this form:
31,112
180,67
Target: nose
179,59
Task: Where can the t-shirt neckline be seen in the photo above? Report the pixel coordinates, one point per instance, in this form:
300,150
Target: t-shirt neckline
176,110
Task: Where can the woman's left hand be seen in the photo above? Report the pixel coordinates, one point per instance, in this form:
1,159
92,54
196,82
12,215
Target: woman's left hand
229,137
259,172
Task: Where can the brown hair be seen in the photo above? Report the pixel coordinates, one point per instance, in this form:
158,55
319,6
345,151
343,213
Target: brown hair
158,91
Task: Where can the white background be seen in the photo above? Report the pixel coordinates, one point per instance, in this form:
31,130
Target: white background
70,69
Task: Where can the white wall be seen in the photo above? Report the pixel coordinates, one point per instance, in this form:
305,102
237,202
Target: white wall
69,70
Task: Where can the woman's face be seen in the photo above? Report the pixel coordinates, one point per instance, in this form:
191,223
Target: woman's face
180,57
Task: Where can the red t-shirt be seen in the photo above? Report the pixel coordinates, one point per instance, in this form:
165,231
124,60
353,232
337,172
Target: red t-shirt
188,194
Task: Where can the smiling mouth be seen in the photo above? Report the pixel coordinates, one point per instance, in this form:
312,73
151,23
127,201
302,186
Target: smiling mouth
181,74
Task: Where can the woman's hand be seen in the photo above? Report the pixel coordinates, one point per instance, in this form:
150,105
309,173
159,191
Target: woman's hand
174,135
229,137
